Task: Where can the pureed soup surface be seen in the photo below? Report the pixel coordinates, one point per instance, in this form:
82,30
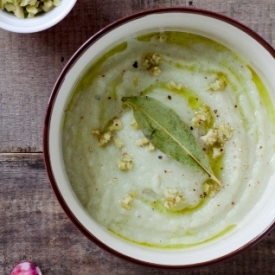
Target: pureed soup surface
141,193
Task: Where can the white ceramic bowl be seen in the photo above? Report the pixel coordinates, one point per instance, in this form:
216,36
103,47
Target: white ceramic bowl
259,54
43,21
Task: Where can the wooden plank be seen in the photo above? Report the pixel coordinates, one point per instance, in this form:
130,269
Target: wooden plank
30,63
34,227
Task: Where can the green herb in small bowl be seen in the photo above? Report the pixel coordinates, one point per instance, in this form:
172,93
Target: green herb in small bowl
28,8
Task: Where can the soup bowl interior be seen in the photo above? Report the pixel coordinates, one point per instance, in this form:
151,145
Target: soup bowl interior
258,54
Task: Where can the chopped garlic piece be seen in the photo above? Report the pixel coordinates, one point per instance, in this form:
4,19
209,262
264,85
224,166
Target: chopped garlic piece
155,59
56,3
126,202
33,3
225,131
125,163
155,71
210,188
220,134
150,60
202,117
48,4
103,138
211,137
31,9
218,85
19,12
174,86
9,7
25,3
216,138
172,198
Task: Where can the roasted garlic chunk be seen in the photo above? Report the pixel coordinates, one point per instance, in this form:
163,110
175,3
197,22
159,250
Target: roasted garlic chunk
103,138
127,200
218,85
125,163
174,86
172,198
151,62
202,117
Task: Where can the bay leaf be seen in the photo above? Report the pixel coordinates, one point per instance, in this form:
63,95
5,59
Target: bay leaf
167,132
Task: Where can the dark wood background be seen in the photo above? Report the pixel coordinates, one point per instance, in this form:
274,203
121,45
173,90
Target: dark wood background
32,224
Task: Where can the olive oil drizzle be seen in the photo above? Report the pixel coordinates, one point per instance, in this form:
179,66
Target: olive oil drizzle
218,235
194,102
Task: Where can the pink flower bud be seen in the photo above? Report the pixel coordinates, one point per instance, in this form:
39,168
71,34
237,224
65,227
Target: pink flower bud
26,268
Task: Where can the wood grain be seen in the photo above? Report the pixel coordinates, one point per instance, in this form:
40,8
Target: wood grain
34,227
32,224
31,63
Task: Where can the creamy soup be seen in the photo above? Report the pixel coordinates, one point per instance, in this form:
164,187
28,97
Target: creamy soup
127,182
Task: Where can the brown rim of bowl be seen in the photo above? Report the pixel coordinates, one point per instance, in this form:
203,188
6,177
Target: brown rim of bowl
50,106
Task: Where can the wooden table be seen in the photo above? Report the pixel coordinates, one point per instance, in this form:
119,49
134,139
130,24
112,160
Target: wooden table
32,224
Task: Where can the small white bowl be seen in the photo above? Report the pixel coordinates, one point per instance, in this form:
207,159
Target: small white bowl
227,31
43,21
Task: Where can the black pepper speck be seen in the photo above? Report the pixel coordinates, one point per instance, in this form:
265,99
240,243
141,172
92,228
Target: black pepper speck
135,65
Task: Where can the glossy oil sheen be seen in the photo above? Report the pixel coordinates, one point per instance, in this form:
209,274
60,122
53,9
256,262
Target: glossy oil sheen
240,168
